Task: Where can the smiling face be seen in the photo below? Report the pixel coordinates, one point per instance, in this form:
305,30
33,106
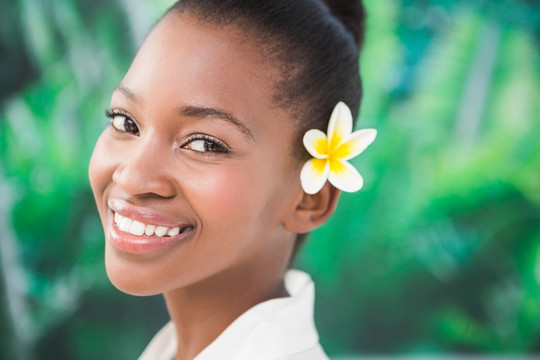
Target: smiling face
193,178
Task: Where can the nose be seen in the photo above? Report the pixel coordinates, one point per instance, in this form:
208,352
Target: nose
143,170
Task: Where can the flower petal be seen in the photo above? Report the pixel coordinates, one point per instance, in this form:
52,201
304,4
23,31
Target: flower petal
339,126
316,143
355,144
344,176
314,174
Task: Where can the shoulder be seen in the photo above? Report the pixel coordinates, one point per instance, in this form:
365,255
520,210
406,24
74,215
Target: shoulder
315,353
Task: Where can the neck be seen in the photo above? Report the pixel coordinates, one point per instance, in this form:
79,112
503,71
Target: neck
202,311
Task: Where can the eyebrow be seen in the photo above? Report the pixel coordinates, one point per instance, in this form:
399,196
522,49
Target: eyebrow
195,111
205,112
128,93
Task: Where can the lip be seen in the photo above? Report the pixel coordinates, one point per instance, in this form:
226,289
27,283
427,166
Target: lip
142,244
144,215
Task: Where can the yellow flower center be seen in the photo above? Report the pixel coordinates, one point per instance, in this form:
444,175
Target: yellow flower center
319,165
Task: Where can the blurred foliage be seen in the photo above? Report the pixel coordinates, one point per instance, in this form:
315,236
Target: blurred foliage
439,254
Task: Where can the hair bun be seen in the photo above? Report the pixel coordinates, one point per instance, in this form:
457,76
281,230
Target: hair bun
352,15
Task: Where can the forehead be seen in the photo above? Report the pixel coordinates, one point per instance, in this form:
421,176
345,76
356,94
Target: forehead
185,60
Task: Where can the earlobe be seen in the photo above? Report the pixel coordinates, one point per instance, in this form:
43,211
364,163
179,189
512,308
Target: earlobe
312,210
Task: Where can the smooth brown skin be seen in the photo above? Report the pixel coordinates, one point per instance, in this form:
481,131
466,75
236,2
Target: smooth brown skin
246,206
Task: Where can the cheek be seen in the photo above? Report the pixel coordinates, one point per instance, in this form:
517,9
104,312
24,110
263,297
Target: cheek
229,199
223,191
100,171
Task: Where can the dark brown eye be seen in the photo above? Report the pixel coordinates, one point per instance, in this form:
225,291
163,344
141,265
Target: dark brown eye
202,145
123,123
205,144
130,126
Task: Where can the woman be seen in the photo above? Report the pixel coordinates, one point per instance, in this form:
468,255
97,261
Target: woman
197,180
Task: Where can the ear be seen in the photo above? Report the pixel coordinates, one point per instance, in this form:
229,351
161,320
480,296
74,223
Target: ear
312,210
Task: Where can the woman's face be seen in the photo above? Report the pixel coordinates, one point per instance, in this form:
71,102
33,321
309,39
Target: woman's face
193,177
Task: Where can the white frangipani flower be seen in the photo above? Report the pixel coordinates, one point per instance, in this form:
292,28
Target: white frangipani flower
331,153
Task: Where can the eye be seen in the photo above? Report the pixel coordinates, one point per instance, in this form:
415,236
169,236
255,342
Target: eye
122,122
205,144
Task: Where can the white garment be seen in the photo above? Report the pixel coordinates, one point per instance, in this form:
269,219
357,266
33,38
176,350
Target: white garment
277,329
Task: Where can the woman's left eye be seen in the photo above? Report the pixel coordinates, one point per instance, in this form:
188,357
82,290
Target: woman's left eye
205,145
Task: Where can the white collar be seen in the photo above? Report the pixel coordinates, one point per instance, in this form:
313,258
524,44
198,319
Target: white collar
274,329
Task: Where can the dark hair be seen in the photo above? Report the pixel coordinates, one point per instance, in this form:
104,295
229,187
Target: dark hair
315,45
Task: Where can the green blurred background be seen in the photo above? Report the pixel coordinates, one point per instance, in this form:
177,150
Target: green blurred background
439,254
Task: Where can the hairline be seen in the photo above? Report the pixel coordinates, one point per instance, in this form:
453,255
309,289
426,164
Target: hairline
271,56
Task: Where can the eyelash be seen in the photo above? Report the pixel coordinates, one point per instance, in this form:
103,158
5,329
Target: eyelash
219,146
113,114
209,141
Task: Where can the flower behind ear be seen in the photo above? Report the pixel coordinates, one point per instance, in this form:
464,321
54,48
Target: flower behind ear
332,151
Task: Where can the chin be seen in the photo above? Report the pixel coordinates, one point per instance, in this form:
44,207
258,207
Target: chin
130,280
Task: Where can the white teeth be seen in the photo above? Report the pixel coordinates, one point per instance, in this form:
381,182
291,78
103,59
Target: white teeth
138,228
125,224
149,230
161,230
